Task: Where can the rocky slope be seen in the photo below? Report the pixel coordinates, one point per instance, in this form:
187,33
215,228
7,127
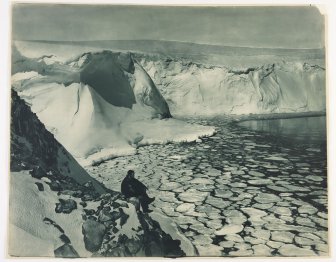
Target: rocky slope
199,89
34,148
57,209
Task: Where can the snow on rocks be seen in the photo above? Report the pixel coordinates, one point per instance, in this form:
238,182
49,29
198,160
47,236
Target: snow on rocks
32,220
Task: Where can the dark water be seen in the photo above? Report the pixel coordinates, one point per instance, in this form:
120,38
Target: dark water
307,129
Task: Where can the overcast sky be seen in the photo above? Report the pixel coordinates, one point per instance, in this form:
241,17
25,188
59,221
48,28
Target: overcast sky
286,27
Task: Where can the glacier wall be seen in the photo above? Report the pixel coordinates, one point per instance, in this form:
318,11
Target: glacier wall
206,90
99,105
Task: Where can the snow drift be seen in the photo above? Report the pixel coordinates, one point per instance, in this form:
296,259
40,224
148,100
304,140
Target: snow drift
100,105
29,234
198,89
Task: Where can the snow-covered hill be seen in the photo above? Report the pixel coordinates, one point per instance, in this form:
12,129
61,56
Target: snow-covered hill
57,209
99,105
196,89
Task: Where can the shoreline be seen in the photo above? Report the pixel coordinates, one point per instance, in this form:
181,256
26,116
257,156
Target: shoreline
232,118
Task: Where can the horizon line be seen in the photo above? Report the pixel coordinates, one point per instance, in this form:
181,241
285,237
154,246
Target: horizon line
163,40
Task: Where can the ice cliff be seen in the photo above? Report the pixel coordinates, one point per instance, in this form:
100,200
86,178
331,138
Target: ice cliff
114,76
99,105
199,89
104,104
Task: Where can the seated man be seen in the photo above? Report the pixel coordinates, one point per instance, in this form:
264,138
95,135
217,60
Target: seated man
131,187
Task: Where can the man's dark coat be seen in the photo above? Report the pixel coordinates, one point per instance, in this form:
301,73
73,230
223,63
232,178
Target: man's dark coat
131,187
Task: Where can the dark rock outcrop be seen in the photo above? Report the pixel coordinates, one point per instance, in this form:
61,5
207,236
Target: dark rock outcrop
38,172
40,186
66,251
93,233
65,239
129,232
65,206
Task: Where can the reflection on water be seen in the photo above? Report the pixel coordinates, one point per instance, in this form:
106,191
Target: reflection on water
310,129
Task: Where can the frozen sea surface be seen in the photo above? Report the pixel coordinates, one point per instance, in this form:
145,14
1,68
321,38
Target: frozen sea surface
238,193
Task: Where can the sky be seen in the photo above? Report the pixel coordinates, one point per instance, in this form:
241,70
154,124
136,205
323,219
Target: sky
278,27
